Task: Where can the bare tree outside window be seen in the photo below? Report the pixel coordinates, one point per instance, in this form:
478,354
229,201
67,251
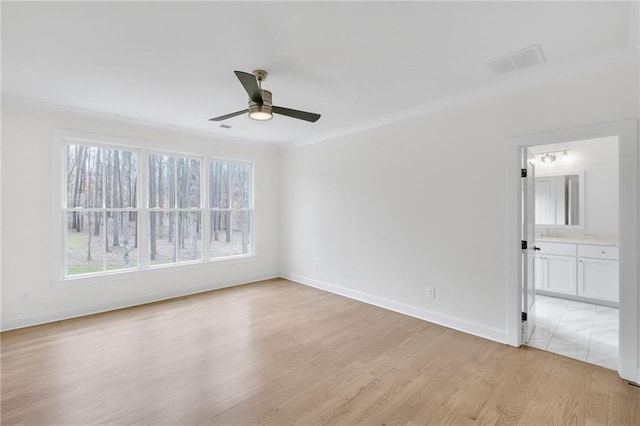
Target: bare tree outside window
230,209
101,209
186,199
174,209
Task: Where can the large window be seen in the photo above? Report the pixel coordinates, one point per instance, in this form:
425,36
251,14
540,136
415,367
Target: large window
230,208
191,208
175,219
100,214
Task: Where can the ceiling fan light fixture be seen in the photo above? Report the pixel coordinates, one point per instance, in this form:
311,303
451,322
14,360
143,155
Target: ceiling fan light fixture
261,112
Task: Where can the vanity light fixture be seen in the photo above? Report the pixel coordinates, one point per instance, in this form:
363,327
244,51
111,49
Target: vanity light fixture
550,156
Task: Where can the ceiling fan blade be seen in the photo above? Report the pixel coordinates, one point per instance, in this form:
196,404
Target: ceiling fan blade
233,114
302,115
250,84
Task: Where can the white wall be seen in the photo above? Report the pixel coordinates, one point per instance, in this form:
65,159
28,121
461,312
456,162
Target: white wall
386,212
27,227
598,158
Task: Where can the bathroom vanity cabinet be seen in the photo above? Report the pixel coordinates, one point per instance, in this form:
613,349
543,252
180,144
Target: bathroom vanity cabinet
578,271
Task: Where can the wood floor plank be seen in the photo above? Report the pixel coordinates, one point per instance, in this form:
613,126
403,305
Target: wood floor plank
276,352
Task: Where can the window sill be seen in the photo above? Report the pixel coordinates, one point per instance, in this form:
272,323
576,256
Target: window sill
151,271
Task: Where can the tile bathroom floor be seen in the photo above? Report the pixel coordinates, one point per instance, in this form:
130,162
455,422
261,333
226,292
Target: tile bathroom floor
578,330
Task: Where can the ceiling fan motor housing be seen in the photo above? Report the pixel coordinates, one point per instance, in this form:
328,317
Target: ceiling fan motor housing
261,111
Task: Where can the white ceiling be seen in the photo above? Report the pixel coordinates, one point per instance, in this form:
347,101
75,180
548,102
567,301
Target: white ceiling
354,63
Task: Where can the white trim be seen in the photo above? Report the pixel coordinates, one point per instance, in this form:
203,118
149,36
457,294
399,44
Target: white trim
454,323
155,126
627,132
143,216
121,304
500,86
159,147
148,273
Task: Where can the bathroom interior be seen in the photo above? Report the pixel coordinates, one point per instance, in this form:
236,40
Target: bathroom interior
577,266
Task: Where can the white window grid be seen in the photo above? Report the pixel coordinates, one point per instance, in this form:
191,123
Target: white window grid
142,210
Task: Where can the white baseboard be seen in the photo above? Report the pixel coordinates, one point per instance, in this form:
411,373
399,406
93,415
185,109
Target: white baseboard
636,379
464,326
111,306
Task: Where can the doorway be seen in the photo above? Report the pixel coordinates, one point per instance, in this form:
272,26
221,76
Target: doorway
576,264
626,132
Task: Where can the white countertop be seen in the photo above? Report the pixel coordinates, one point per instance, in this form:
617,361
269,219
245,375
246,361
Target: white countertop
574,240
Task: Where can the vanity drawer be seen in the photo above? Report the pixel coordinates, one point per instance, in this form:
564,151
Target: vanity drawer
599,252
556,248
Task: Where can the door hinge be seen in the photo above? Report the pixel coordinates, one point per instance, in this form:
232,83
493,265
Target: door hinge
524,316
523,172
523,245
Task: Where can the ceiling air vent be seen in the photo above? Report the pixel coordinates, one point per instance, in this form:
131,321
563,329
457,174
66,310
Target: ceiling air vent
230,128
523,58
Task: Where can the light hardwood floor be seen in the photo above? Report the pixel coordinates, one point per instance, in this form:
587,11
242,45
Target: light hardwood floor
278,353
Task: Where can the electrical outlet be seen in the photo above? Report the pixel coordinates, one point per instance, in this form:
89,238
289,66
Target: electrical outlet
25,295
315,266
431,292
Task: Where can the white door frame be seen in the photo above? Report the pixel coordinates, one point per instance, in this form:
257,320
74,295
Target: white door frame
627,132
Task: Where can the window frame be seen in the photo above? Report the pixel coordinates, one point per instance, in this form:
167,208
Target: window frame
143,149
174,209
231,209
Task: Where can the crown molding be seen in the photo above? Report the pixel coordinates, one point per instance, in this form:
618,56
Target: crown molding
511,83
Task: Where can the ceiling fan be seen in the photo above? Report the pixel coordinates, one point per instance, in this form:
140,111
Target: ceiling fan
260,105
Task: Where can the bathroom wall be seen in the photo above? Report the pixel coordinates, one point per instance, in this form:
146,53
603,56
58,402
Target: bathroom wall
598,158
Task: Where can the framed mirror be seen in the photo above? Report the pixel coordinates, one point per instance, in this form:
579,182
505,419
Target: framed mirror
560,200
